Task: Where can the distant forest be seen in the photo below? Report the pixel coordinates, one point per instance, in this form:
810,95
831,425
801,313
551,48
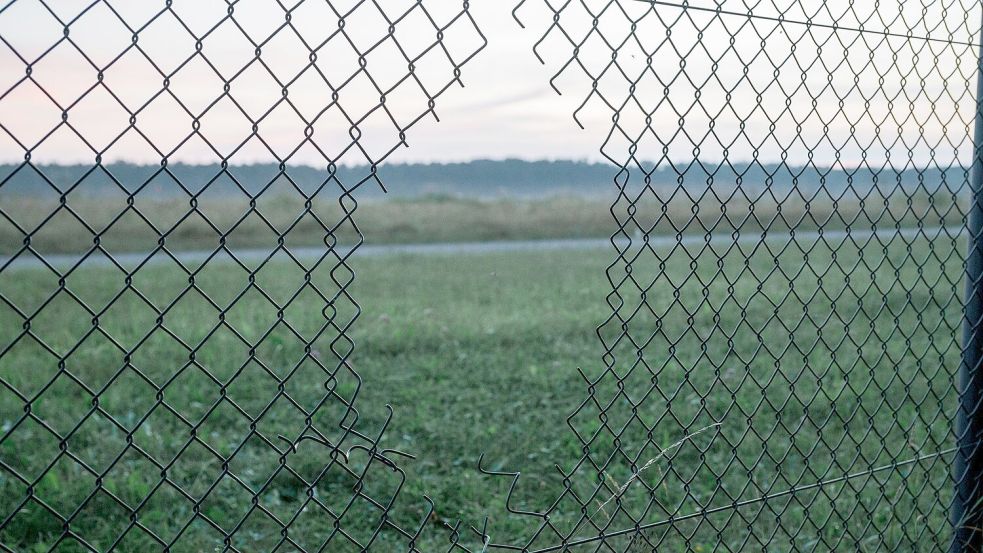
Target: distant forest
473,179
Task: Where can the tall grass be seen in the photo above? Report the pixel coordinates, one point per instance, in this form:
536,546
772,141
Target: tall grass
208,223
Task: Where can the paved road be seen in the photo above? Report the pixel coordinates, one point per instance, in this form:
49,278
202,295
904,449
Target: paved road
250,256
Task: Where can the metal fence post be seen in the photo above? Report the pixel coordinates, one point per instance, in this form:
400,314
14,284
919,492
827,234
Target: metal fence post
966,512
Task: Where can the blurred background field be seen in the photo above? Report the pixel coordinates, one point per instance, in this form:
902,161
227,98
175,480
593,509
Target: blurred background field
133,208
168,385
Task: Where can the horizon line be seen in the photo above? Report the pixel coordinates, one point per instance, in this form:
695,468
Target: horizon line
663,165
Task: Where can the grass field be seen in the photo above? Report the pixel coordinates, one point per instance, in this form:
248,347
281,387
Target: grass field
814,364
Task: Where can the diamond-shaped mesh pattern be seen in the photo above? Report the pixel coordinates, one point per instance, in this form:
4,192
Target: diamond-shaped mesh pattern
131,341
791,197
792,192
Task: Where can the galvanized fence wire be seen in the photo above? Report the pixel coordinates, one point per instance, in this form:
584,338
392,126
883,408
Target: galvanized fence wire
782,376
264,399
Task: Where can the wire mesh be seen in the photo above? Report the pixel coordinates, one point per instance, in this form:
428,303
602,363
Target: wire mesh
780,363
180,401
792,185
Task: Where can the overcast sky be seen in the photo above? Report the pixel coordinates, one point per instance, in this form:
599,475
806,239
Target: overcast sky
912,98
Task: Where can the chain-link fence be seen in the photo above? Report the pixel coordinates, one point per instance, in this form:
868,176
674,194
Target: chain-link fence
785,366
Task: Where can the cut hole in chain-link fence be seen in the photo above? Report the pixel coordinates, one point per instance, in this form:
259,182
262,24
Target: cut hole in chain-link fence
791,189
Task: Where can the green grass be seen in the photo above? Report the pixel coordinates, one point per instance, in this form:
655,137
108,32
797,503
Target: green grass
811,374
119,227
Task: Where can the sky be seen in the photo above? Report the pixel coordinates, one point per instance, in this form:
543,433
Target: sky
836,97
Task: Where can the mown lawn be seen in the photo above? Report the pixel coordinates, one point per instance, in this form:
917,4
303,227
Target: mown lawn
814,364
